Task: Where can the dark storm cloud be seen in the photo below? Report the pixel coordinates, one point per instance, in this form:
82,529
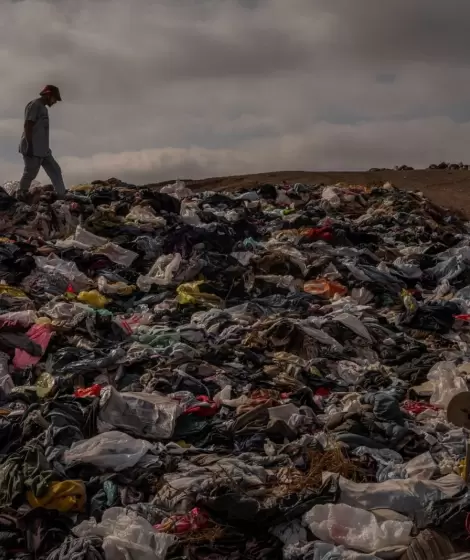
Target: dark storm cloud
156,89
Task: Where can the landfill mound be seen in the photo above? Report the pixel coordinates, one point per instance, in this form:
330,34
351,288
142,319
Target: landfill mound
447,187
257,375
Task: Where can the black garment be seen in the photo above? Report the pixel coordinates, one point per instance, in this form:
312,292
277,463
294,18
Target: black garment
80,548
437,317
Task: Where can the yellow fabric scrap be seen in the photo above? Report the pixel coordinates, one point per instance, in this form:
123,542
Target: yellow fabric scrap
69,495
93,298
190,293
82,188
43,321
13,292
44,384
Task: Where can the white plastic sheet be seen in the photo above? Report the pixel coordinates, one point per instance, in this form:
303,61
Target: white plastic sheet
111,450
323,551
117,254
178,190
147,415
161,273
145,215
330,196
403,496
68,269
356,528
189,213
126,536
11,187
82,239
446,383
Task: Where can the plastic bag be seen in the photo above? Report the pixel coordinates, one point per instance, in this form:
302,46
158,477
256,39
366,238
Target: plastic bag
6,382
446,383
126,536
147,415
119,288
177,189
161,273
87,238
330,197
117,254
356,528
145,215
189,213
402,496
323,551
53,264
11,187
421,467
112,450
21,318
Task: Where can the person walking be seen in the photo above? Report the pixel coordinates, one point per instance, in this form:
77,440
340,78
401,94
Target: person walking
34,144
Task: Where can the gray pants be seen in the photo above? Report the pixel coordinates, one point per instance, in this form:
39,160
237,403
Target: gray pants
32,165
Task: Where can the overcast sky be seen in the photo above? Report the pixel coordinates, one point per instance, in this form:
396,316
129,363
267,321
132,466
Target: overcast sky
159,89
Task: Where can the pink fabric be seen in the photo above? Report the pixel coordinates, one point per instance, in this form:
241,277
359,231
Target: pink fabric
41,335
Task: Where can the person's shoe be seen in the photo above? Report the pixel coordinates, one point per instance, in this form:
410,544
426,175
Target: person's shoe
22,197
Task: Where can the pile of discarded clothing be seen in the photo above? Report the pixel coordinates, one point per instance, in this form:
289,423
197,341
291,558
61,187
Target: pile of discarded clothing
256,375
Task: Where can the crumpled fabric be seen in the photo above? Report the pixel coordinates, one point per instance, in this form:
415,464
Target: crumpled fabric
81,548
69,495
41,335
323,551
193,293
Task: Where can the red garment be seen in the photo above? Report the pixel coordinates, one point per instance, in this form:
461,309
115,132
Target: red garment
41,335
323,233
93,391
192,521
415,407
462,317
206,408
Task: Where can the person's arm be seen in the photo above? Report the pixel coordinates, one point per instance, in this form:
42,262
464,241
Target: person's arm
31,116
28,134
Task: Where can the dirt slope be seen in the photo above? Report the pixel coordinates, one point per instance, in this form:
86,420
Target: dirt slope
450,189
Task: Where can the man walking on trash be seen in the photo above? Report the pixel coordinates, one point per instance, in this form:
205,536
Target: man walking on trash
34,144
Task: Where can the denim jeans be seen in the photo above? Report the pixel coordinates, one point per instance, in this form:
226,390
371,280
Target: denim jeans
33,164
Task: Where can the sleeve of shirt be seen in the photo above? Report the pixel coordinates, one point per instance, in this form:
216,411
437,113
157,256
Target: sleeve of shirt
31,112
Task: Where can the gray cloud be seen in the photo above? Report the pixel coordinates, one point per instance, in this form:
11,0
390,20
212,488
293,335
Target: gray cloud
154,90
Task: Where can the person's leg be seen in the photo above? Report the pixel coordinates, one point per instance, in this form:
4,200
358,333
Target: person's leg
52,168
31,170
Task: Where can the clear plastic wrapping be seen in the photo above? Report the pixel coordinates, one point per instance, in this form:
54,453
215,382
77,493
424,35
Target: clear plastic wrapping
126,536
356,528
147,415
112,450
